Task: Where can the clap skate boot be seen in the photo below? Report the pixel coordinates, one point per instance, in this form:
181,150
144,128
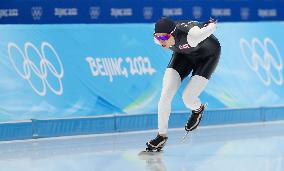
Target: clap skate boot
195,118
156,144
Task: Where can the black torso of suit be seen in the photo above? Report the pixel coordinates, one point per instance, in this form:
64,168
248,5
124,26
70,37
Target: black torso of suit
202,59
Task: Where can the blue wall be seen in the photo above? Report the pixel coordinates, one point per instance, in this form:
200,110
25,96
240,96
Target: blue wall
134,11
63,71
77,79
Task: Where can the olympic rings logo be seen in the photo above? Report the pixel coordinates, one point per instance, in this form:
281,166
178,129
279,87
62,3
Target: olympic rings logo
41,72
265,60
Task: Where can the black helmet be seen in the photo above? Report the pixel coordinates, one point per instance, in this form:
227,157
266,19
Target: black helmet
164,25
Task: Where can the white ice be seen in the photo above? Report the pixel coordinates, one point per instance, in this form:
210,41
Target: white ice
244,147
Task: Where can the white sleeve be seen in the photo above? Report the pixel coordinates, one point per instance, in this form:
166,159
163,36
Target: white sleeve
197,35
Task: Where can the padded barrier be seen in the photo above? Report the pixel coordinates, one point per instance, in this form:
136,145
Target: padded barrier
121,123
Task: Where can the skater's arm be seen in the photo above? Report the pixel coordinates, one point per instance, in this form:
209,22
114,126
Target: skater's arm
204,24
185,26
196,34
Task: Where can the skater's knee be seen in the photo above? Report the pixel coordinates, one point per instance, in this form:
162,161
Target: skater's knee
168,90
164,105
188,99
167,95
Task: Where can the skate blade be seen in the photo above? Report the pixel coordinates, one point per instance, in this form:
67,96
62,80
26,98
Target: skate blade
146,155
149,152
205,105
185,137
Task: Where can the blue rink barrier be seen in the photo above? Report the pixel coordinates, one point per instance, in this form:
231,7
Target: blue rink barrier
33,129
16,131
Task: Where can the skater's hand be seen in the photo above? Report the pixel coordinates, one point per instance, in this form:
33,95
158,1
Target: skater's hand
211,20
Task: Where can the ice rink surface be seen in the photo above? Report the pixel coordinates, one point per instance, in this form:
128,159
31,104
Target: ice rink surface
243,147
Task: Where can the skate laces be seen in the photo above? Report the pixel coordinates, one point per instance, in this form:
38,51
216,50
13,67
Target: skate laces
194,116
159,137
197,111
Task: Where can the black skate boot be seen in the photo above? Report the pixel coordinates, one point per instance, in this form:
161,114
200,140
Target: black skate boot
156,144
195,118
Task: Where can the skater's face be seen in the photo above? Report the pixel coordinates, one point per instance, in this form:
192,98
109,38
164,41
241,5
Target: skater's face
166,40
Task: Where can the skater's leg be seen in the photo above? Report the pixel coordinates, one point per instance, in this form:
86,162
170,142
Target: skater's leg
178,68
191,99
192,91
171,83
200,76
